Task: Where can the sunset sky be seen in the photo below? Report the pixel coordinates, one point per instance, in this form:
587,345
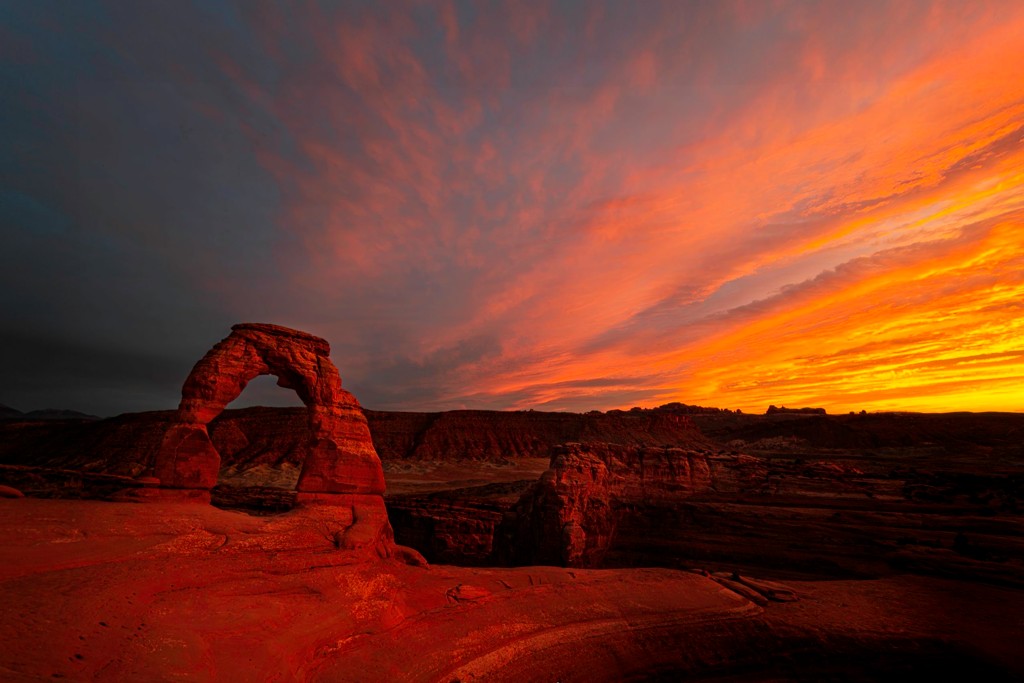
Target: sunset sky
499,205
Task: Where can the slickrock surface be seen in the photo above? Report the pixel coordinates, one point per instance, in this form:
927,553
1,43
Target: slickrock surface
159,592
103,591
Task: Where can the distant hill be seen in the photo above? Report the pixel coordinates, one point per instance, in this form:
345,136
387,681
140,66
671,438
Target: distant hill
8,413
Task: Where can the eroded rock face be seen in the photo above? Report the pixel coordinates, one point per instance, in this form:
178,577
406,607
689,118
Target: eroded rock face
570,516
509,435
341,480
339,457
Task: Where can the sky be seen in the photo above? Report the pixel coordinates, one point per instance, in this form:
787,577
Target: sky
565,206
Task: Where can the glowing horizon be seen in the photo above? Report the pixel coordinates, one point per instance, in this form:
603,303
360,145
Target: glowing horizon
570,207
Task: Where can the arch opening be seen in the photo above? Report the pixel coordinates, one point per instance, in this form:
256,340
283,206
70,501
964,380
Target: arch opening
265,391
262,439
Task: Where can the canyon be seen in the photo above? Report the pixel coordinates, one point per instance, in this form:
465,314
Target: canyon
626,545
846,496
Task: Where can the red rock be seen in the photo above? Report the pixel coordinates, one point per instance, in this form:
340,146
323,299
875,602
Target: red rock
339,453
510,435
9,492
341,483
448,531
741,589
275,439
769,589
570,517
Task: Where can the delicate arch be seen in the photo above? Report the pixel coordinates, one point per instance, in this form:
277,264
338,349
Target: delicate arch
339,458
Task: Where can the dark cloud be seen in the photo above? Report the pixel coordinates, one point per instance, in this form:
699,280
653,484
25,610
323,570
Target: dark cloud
85,377
477,205
429,381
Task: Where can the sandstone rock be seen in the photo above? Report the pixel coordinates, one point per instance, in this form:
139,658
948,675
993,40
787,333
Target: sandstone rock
509,435
570,516
339,455
459,532
769,589
273,442
740,589
466,593
340,469
862,496
10,492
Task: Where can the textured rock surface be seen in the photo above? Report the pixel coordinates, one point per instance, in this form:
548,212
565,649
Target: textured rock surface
604,505
270,443
273,437
341,475
10,492
494,436
841,496
97,591
338,453
465,525
569,517
446,529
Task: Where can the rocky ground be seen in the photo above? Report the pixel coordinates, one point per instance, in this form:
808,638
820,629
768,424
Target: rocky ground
160,592
899,534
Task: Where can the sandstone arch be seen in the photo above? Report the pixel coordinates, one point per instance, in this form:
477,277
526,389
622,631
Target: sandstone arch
340,457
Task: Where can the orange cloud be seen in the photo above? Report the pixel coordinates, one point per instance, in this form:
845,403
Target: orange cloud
830,217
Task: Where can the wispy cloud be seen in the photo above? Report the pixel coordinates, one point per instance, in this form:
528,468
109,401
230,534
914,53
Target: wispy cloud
537,205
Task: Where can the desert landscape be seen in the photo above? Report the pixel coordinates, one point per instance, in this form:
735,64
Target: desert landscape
652,544
524,341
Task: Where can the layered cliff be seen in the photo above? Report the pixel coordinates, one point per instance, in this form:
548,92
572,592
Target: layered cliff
498,435
569,516
269,441
858,495
604,505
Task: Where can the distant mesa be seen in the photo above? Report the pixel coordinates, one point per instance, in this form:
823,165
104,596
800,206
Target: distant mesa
776,410
684,409
673,408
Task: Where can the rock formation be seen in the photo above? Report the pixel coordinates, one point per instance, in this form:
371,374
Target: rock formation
446,529
834,495
508,435
783,410
339,456
339,464
123,592
10,492
569,518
